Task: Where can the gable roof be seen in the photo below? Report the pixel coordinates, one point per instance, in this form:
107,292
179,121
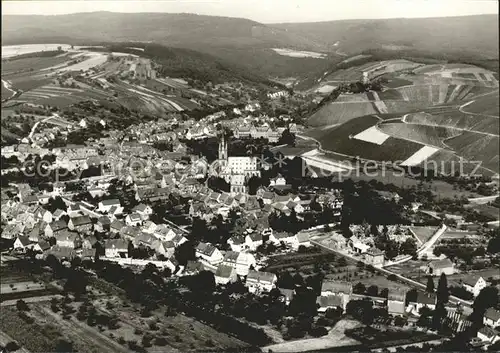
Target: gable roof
224,271
426,298
492,314
259,276
81,221
117,224
206,249
329,301
445,263
336,287
110,202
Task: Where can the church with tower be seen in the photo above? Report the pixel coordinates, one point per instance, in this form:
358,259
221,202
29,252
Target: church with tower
236,170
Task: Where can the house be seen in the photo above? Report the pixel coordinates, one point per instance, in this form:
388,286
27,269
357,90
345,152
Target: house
437,267
488,335
258,281
58,214
241,262
22,243
165,248
209,254
143,210
103,224
253,240
330,287
286,295
106,205
66,239
133,219
116,226
357,246
339,289
89,242
225,274
302,239
375,257
53,228
424,300
81,224
116,248
279,180
164,232
396,302
329,302
144,239
287,238
492,317
237,243
474,285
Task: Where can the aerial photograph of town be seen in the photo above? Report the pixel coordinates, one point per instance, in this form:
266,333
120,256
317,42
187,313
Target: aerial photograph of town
250,176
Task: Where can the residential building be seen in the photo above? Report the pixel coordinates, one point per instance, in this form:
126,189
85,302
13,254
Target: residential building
53,228
492,317
424,300
241,262
225,274
133,219
237,243
209,254
258,281
330,302
81,224
22,243
375,257
396,302
116,248
253,240
105,206
66,239
437,267
474,285
165,248
488,335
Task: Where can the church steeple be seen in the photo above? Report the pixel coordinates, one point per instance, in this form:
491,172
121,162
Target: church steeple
223,148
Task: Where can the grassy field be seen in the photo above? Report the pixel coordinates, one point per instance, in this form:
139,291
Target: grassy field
382,282
423,233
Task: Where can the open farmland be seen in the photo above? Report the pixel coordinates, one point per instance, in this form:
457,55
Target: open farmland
14,50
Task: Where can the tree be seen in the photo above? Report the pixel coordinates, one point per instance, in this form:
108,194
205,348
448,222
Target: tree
372,291
22,306
487,298
287,138
430,285
442,290
359,288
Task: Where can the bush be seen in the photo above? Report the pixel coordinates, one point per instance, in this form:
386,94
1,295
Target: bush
12,346
160,341
318,331
147,340
121,340
22,306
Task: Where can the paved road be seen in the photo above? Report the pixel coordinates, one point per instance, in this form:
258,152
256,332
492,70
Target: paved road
483,200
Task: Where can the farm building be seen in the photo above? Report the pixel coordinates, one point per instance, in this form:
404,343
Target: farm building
437,267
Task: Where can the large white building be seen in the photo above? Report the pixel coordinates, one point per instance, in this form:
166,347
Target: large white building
236,170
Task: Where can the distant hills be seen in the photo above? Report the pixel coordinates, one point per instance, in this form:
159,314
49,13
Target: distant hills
249,44
472,34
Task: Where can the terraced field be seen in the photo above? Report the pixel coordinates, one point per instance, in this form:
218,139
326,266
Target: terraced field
477,147
340,139
427,135
335,113
486,105
452,109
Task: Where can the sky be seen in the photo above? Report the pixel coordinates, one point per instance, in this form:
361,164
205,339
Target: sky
266,11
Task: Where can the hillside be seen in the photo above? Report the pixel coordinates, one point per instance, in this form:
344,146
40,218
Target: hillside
467,34
250,44
239,41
